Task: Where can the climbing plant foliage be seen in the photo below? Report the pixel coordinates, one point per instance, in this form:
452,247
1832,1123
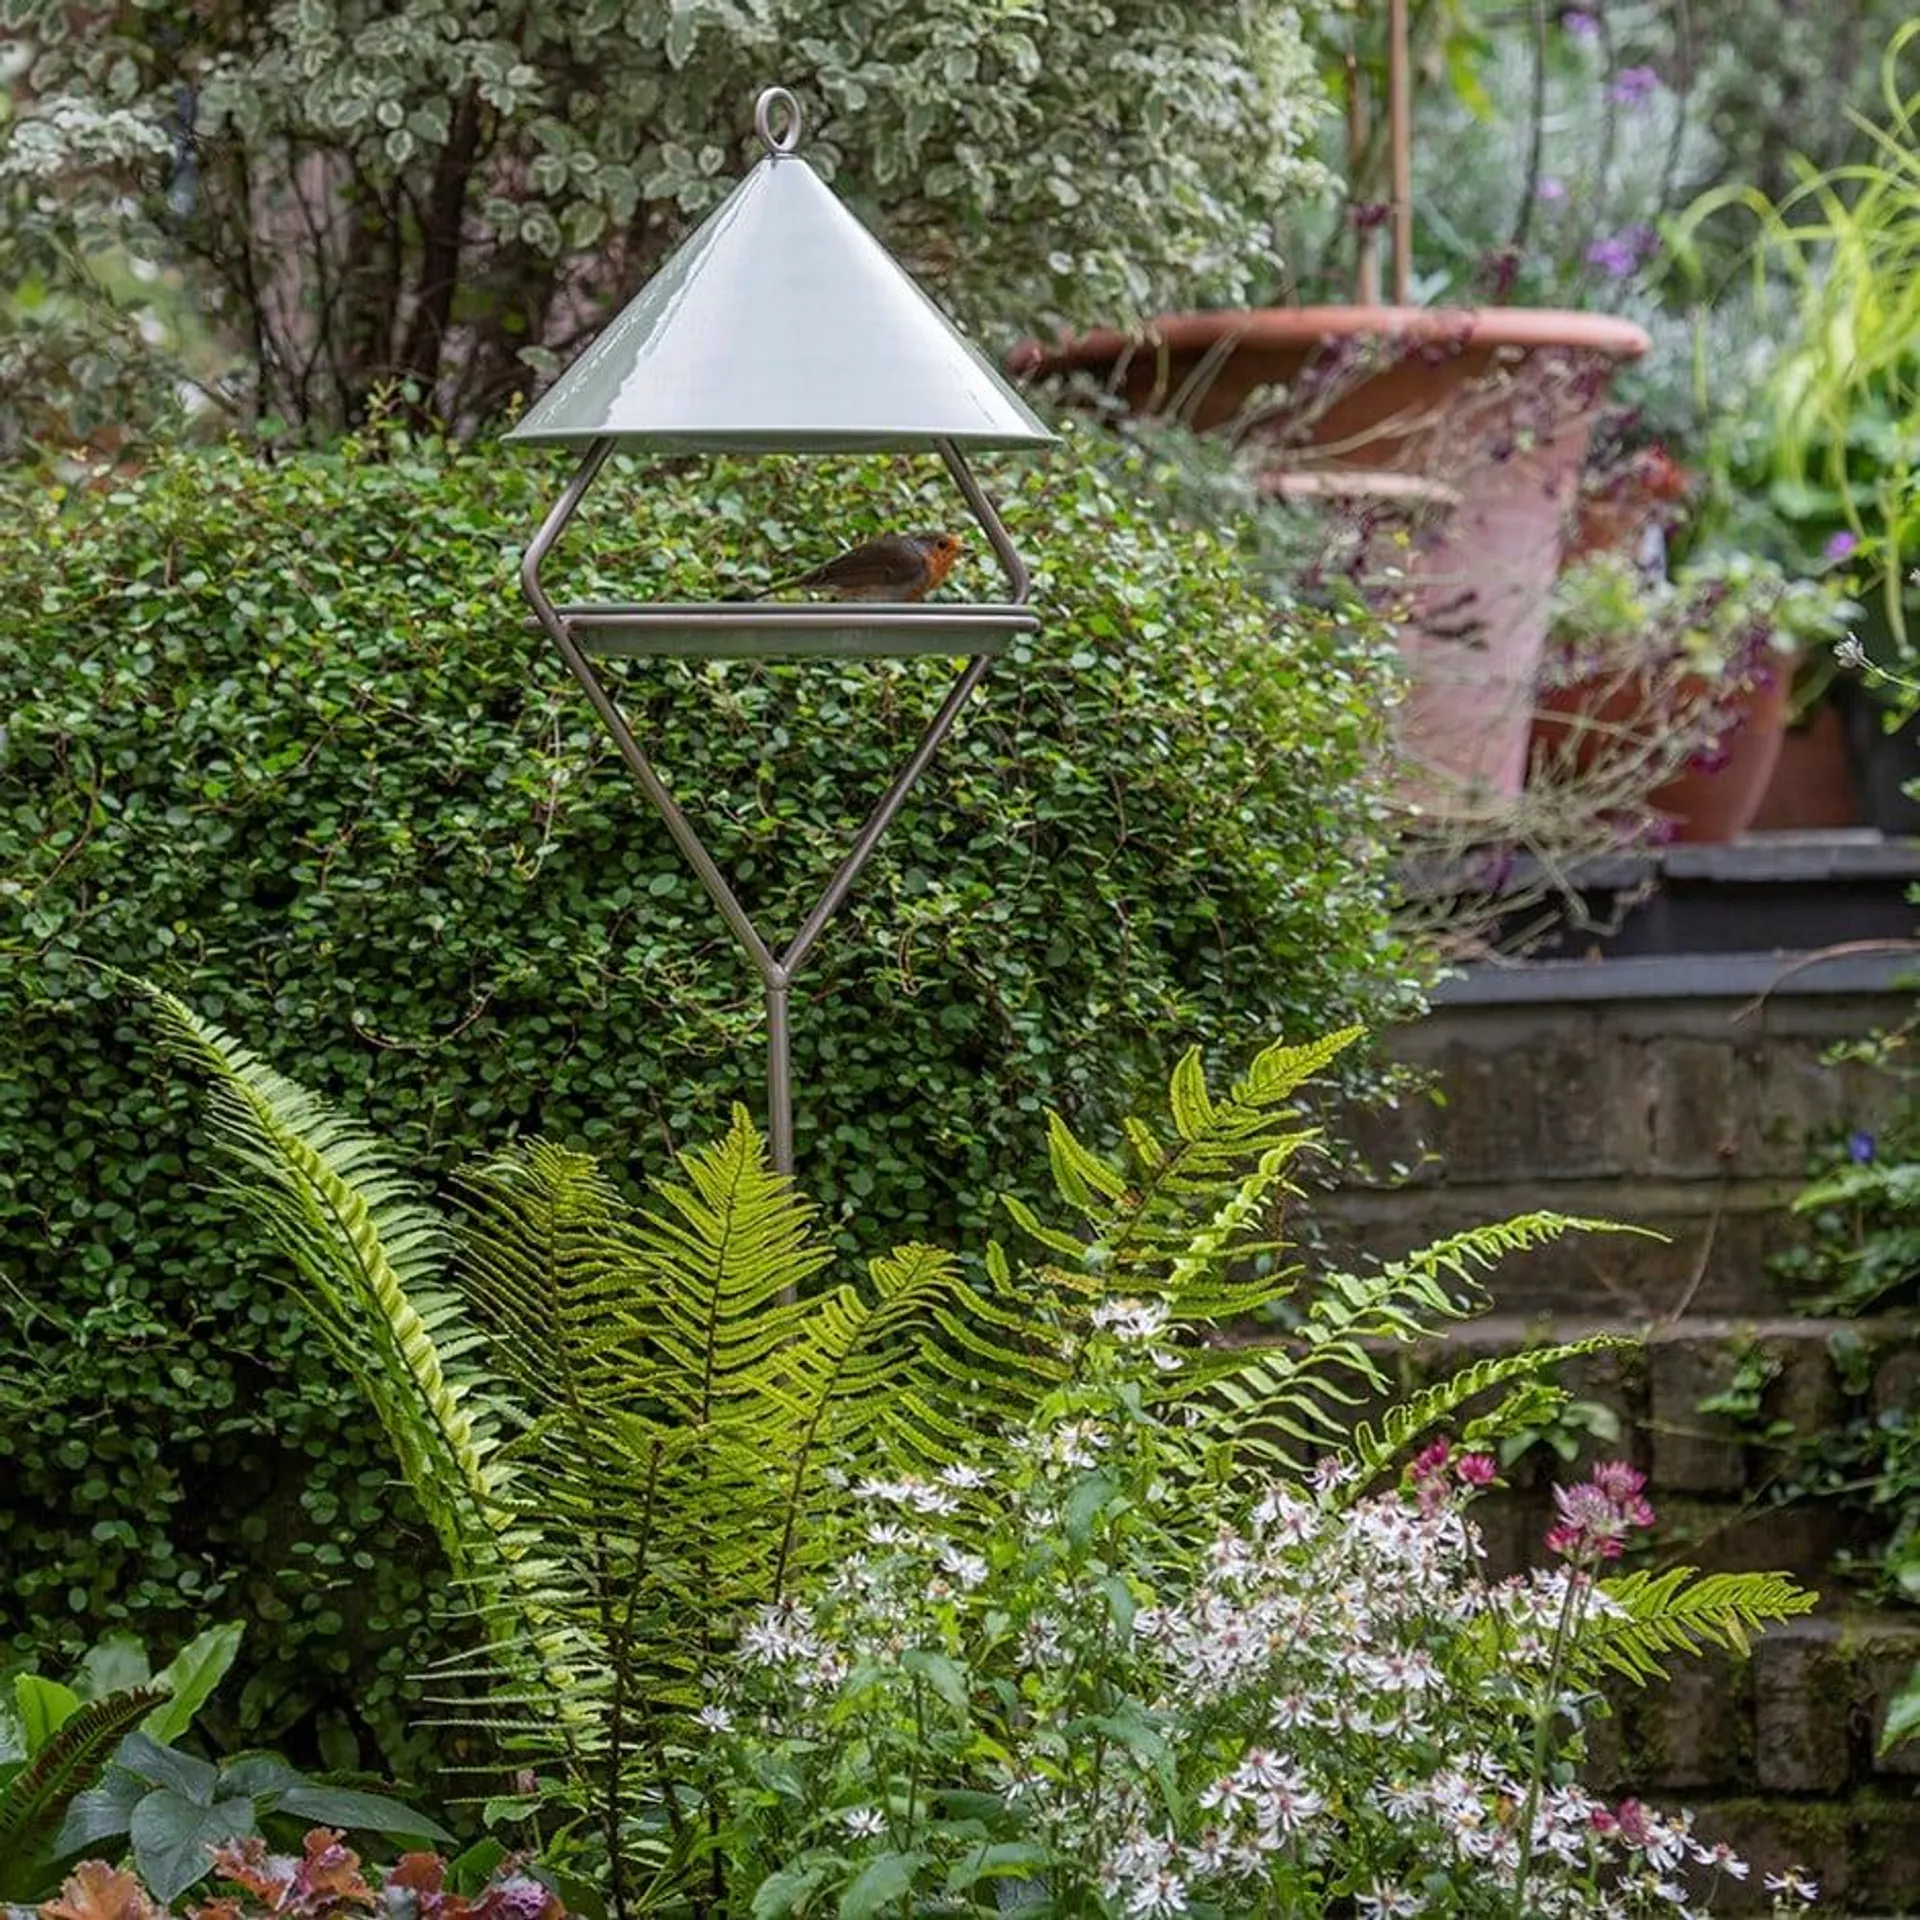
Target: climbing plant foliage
279,735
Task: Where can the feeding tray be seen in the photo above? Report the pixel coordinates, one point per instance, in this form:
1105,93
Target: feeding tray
701,630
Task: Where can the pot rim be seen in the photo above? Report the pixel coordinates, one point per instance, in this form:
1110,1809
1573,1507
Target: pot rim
1293,328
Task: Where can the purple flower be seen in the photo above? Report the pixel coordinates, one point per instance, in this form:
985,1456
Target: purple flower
1552,191
1634,87
1617,255
1841,545
1580,23
1860,1145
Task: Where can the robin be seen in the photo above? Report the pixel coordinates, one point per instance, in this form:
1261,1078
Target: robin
897,566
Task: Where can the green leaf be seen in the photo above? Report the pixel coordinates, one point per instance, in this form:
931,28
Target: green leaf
1903,1715
1192,1109
103,1812
882,1881
1089,1498
192,1673
367,1812
174,1838
44,1707
42,1794
1006,1859
787,1891
115,1663
469,1871
944,1676
258,1775
160,1766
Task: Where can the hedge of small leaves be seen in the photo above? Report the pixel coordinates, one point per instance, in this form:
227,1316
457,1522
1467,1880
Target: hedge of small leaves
280,736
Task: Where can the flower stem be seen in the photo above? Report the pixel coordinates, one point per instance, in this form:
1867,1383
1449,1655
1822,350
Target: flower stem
1542,1729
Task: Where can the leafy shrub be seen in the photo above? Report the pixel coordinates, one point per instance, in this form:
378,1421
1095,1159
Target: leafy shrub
365,192
281,729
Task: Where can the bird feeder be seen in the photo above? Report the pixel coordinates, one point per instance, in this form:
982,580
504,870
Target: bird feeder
781,326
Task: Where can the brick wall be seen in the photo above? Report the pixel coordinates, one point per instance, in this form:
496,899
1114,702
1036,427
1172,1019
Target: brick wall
1681,1095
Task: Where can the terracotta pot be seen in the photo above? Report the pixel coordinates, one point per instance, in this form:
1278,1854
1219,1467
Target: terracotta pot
1707,804
1491,411
1812,784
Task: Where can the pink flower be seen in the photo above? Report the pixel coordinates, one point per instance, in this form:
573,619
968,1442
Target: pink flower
1429,1472
1597,1516
1476,1469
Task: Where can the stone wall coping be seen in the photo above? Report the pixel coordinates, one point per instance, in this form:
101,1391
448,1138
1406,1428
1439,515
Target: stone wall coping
1872,968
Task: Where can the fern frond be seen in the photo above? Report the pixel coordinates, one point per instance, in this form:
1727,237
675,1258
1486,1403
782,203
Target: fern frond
1681,1611
35,1801
546,1262
1372,1450
367,1249
1465,1257
714,1263
1186,1218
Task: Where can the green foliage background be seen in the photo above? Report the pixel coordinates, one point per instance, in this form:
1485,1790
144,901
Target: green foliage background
279,734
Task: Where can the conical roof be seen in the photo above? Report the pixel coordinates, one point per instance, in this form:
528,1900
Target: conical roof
781,325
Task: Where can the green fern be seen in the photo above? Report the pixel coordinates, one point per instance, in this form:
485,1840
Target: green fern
365,1252
1372,1450
619,1418
1191,1219
1681,1611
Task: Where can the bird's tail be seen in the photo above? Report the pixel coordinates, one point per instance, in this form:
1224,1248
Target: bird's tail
779,586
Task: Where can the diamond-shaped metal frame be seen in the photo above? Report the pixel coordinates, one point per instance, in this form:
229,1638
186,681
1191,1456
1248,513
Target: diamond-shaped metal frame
754,629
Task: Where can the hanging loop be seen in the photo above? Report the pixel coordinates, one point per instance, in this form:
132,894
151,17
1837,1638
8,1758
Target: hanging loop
763,108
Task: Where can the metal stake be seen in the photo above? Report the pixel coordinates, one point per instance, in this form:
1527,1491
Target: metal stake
776,973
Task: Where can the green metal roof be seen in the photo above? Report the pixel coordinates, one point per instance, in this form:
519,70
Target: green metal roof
782,325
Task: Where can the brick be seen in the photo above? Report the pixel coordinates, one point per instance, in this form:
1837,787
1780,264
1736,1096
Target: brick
1604,1771
1799,1719
1726,1537
1883,1854
1387,1148
1693,1452
1806,1392
1786,1096
1815,1836
1693,1730
1691,1098
1885,1672
1896,1383
1538,1113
